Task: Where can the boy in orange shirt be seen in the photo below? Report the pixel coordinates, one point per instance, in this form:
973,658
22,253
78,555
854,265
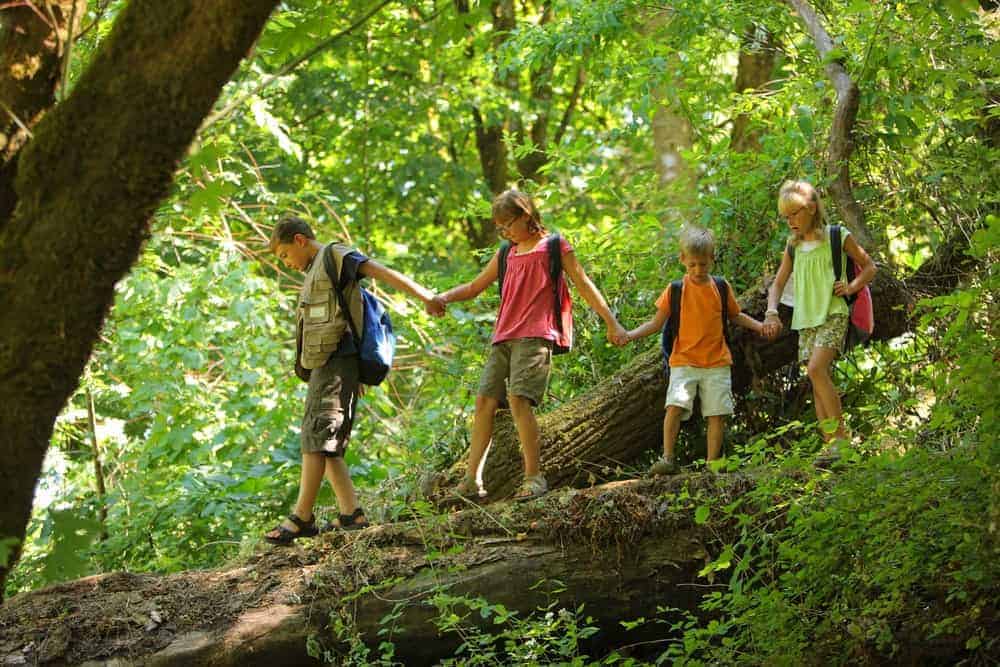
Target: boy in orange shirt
700,359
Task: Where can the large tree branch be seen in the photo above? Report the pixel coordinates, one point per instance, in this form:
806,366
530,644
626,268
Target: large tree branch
842,127
87,185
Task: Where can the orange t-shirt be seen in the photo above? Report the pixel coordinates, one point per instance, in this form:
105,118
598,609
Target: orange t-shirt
700,342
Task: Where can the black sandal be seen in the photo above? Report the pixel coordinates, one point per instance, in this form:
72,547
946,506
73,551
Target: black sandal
286,536
346,522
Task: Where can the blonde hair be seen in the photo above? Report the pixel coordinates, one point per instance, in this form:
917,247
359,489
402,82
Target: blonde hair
513,204
798,194
697,242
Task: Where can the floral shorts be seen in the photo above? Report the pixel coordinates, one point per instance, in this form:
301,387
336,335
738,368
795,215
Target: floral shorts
830,334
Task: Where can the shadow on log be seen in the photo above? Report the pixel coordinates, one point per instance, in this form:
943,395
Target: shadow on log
619,550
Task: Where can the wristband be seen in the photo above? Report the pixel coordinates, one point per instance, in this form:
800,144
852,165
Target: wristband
770,311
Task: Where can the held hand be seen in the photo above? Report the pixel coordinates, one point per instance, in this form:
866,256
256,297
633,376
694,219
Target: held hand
840,288
772,327
617,334
436,306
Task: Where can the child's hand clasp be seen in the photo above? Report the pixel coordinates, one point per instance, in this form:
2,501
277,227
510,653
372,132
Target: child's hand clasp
436,306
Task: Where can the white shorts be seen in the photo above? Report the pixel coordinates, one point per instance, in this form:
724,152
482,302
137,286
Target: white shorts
713,385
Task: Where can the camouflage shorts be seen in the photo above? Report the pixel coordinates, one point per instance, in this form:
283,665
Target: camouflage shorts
830,334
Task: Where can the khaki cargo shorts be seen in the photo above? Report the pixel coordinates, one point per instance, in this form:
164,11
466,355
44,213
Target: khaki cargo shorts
518,367
330,402
713,385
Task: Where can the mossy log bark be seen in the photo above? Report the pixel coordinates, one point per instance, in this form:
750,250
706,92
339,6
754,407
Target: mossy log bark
619,550
621,419
87,184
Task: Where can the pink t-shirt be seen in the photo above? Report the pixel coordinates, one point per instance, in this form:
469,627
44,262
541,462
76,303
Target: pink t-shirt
527,302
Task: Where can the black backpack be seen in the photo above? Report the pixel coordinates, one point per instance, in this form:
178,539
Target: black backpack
554,246
673,324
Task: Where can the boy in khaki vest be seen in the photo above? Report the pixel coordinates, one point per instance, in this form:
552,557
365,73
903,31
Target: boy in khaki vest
327,358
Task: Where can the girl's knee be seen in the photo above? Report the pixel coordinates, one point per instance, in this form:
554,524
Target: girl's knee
818,368
519,405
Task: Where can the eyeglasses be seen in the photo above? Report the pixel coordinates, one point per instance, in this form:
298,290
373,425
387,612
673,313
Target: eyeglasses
789,216
507,225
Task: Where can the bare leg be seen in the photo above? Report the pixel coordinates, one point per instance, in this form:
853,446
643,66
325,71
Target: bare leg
309,482
340,479
527,430
825,393
482,432
671,427
715,428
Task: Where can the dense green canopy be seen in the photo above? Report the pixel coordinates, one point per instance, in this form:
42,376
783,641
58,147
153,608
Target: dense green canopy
391,125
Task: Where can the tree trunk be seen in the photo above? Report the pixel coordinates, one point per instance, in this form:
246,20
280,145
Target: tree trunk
87,184
841,144
620,420
614,549
753,73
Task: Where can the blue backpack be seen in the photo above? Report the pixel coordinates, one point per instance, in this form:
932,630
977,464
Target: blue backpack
376,343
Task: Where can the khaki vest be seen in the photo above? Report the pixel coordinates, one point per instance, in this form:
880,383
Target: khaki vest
320,322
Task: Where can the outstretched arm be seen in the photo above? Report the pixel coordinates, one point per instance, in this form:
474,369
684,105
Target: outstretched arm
750,323
772,323
373,269
472,289
652,326
594,298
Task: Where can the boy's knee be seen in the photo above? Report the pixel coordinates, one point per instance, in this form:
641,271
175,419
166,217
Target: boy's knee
815,368
486,404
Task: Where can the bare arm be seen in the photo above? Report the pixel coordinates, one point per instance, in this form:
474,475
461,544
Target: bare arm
372,269
585,286
652,326
865,265
471,290
772,323
750,323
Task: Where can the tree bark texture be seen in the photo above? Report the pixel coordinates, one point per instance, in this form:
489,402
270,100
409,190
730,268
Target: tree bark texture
618,550
620,420
87,184
32,49
754,71
841,144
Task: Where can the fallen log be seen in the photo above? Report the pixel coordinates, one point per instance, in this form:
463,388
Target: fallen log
619,550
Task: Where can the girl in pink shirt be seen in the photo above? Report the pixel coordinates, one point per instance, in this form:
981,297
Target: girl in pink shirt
528,331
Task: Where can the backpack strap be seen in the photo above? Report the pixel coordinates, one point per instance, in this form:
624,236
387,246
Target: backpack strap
502,264
723,287
331,271
790,249
837,251
554,247
676,293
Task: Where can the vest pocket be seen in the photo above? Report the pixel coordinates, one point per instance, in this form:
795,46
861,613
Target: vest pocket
317,310
321,342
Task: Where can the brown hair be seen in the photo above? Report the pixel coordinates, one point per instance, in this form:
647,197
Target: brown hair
697,242
799,194
287,228
513,204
